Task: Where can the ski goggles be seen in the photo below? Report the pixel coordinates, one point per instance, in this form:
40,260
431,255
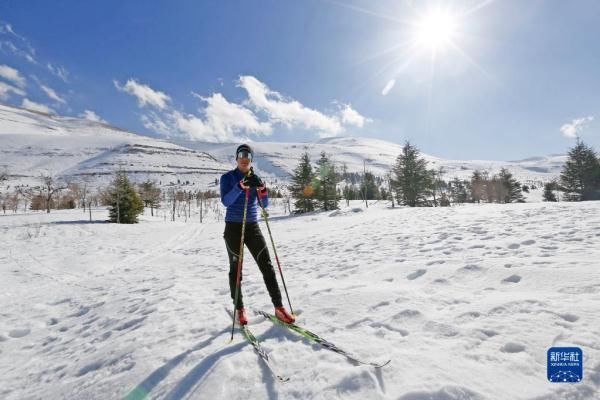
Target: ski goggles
244,154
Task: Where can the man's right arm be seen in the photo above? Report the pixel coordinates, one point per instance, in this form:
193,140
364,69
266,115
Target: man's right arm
230,190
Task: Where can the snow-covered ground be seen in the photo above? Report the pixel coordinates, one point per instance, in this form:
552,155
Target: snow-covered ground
464,300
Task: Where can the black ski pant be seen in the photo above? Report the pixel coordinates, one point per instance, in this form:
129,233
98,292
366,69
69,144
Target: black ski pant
255,242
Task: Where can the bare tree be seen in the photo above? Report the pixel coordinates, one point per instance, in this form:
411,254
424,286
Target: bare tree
84,192
49,188
3,202
14,200
150,193
390,184
3,196
365,182
26,194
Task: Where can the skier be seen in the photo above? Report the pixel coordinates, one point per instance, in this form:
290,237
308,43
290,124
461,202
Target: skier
234,184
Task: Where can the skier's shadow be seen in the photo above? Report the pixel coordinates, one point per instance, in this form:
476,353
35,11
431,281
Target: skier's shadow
142,390
195,376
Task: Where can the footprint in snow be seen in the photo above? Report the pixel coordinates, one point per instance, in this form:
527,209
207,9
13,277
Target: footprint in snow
512,279
470,268
489,332
512,347
514,246
19,332
80,312
436,262
382,304
569,317
416,274
528,242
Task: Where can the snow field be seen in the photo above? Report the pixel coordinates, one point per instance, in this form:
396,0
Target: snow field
464,300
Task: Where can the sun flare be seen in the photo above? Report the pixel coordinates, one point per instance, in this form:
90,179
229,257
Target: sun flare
435,30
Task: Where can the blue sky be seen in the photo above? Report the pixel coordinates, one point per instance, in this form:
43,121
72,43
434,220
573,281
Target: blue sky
503,80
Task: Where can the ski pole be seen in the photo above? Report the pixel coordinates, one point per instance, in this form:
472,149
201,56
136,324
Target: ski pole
239,266
266,216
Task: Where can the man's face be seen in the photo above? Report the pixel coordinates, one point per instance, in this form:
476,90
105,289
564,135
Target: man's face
243,163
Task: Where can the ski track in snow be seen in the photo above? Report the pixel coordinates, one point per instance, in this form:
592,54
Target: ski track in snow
464,300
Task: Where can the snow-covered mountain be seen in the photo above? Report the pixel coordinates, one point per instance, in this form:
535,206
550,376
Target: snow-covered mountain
32,143
280,159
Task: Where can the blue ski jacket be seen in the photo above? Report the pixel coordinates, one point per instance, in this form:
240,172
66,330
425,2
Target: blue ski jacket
233,197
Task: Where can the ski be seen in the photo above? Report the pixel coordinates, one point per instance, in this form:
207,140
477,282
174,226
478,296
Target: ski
261,352
317,339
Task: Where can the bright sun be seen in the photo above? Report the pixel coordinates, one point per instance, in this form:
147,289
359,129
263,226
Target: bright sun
435,30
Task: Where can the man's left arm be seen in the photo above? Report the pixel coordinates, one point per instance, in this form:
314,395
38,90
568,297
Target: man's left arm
263,195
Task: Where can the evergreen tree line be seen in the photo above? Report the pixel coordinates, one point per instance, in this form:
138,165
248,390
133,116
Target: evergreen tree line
411,183
126,201
580,176
414,185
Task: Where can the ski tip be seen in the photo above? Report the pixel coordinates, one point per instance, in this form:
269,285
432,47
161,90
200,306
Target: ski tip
382,365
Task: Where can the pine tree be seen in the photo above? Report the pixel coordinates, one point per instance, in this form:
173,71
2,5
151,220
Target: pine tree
458,191
369,188
510,188
477,187
412,181
439,185
489,187
549,189
325,184
580,177
150,194
125,203
302,186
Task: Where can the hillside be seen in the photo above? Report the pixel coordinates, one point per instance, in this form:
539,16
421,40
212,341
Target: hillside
32,143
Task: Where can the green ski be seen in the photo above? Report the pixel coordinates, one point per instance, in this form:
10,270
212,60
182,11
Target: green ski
317,339
261,352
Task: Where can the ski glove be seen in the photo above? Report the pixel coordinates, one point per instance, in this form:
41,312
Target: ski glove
261,193
253,181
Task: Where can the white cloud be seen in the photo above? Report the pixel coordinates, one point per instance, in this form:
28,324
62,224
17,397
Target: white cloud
226,118
33,106
388,87
155,123
351,117
144,93
573,128
287,112
60,72
28,53
5,89
7,46
12,75
223,121
92,116
52,94
5,28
